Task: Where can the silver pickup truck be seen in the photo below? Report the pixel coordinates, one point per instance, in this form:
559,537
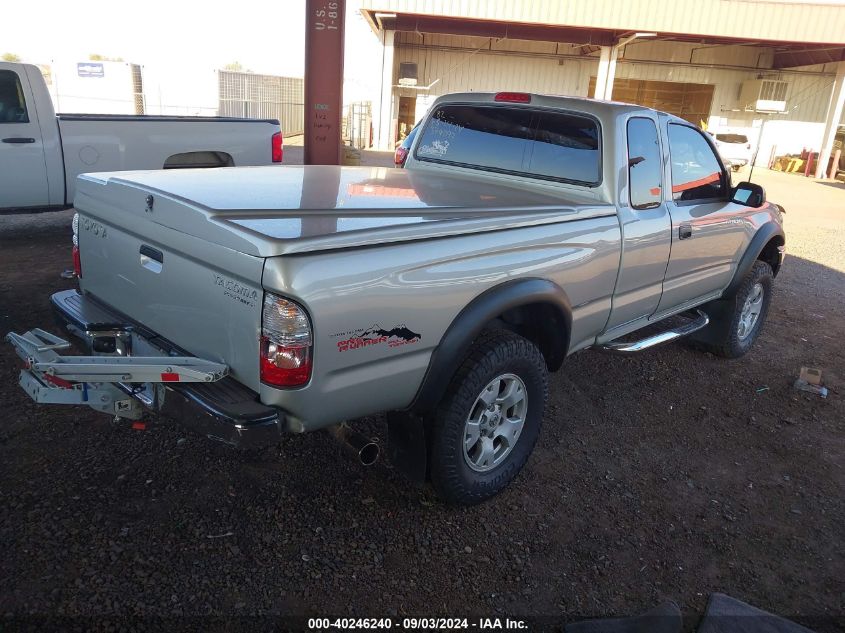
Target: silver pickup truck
252,302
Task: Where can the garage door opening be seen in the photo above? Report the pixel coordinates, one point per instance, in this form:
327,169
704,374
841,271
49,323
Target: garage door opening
688,101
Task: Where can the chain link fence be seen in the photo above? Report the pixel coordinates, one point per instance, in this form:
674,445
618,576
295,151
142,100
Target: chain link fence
356,124
254,96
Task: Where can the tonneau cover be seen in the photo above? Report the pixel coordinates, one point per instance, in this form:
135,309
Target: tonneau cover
276,210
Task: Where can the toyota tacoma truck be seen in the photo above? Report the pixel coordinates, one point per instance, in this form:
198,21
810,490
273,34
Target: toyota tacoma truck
42,153
249,303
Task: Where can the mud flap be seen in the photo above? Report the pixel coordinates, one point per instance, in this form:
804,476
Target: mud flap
721,313
407,445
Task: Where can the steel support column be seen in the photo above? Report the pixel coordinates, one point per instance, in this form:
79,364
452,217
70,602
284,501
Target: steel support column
383,121
601,76
324,29
611,73
831,124
607,72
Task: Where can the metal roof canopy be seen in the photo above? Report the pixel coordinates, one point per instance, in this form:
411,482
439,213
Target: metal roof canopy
786,54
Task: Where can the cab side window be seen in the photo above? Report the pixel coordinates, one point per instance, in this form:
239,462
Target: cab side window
12,104
697,172
645,173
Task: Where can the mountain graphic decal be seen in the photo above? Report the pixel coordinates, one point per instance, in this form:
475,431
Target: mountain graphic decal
396,336
400,332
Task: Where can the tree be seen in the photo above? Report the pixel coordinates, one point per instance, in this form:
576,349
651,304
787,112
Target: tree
10,57
96,57
236,67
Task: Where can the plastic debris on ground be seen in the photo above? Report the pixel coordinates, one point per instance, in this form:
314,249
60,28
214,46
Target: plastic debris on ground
810,380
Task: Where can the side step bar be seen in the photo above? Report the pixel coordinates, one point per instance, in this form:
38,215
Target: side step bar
661,338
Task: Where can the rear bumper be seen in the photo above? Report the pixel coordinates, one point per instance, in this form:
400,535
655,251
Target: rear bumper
225,411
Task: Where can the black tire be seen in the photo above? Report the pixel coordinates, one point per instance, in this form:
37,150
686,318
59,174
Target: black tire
725,336
493,355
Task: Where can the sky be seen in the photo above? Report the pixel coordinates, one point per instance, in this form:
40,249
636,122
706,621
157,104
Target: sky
181,42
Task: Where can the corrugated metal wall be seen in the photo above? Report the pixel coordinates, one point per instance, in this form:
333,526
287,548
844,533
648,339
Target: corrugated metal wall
460,64
253,96
820,21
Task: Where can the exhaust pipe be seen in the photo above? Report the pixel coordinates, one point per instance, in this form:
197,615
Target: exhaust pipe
365,449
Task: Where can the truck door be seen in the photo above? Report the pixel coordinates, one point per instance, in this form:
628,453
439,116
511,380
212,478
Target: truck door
707,231
23,171
645,225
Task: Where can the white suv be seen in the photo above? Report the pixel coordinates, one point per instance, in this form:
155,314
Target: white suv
735,149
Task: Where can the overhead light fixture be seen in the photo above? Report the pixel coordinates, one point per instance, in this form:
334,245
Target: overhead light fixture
630,38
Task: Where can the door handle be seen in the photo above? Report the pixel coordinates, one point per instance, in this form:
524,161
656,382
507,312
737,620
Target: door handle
18,140
151,258
684,231
151,253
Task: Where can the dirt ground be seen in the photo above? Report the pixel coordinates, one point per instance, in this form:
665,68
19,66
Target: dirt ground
666,476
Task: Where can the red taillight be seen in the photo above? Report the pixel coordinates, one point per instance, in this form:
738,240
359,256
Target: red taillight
399,156
77,262
284,366
285,343
513,97
276,145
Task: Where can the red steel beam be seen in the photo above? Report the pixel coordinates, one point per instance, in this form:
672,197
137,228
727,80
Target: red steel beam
324,24
808,57
452,25
493,28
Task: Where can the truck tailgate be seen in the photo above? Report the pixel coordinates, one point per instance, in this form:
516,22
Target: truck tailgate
203,297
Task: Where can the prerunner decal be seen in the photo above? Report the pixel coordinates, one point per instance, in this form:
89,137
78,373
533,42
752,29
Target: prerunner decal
376,335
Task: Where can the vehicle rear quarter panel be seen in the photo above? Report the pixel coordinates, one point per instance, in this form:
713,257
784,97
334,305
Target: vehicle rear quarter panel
92,145
423,286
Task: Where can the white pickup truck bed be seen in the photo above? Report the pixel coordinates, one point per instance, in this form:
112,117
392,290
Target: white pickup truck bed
42,153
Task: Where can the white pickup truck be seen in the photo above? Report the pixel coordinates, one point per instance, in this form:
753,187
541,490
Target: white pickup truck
42,153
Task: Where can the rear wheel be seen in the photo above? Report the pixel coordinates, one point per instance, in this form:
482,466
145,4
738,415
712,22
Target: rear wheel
732,333
484,429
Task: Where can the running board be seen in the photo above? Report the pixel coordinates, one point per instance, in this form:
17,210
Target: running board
655,340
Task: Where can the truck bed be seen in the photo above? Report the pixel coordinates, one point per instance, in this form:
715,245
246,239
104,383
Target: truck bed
92,142
188,253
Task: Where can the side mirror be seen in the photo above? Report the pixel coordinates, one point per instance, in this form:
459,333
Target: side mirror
748,194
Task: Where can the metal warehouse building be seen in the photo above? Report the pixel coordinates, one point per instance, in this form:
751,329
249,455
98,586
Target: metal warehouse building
753,66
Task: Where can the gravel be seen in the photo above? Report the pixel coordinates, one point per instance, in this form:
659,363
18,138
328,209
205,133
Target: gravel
665,476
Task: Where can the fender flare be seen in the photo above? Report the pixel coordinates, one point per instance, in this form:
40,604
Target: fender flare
471,320
762,237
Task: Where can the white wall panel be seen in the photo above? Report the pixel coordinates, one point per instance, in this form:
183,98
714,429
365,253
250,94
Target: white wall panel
458,71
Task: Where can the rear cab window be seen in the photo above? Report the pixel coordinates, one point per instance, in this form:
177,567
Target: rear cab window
732,138
538,143
12,103
645,167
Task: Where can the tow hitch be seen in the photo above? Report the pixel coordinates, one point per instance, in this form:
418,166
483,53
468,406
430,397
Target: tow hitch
112,384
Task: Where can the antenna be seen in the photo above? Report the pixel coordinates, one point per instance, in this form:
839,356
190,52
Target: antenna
757,149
